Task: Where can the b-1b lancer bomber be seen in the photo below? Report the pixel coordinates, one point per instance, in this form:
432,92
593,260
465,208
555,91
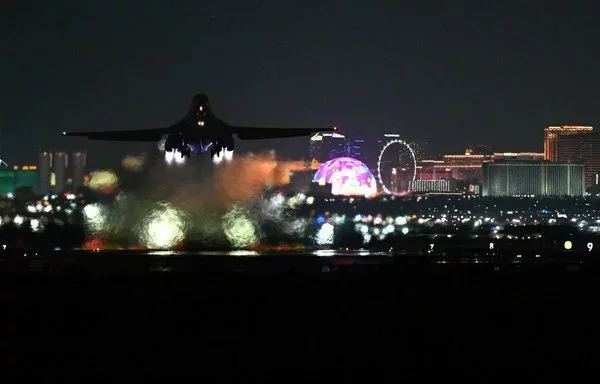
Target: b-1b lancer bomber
199,131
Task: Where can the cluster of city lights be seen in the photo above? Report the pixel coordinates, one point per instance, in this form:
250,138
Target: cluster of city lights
450,216
36,215
311,220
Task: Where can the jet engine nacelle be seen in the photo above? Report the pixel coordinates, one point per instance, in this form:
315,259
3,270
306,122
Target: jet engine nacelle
174,141
222,143
228,143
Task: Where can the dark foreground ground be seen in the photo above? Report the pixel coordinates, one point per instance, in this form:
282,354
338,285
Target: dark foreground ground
297,317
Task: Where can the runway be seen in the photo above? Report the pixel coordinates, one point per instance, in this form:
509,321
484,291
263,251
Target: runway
305,261
180,313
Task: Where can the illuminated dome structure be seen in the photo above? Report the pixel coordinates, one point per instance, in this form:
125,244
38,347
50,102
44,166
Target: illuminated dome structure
347,176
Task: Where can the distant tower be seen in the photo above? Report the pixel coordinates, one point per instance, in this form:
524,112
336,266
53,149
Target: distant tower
327,146
61,162
419,148
78,162
44,165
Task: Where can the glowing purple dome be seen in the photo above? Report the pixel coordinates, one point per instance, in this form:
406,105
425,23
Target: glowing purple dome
347,176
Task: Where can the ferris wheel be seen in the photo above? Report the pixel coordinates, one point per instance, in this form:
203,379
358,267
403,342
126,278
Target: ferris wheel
396,166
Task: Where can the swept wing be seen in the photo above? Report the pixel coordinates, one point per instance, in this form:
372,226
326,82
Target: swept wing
154,134
260,133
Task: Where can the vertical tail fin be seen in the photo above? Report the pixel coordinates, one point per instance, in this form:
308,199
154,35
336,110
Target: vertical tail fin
199,106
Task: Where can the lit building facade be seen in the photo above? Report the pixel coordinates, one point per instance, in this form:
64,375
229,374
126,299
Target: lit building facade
532,178
399,180
584,148
359,149
19,176
79,163
6,181
59,171
595,188
58,178
467,167
432,186
433,170
45,165
326,146
419,148
553,134
539,156
368,150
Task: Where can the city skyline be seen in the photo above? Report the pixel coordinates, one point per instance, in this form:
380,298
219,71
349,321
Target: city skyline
452,73
446,222
303,154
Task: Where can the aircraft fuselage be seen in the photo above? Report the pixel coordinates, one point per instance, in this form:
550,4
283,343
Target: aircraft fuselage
200,132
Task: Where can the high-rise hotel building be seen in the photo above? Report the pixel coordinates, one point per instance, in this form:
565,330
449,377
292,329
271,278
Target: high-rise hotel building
532,178
325,146
553,134
574,144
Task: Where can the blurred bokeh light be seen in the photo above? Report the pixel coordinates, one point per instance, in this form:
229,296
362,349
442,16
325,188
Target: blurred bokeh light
104,181
133,163
95,218
240,228
163,228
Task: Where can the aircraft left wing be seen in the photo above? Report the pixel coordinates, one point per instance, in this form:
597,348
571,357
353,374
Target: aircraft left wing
258,133
133,135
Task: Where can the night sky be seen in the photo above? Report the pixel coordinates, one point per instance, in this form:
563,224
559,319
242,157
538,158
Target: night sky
452,72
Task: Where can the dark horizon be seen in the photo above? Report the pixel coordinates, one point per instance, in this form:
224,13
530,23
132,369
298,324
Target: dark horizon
454,74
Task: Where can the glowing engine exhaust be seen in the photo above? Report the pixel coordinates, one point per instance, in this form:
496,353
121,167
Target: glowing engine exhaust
174,157
225,155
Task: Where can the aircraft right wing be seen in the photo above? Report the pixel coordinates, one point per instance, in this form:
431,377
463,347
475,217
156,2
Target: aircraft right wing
133,135
258,133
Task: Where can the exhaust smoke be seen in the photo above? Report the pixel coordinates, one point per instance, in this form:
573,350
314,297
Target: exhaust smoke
233,204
